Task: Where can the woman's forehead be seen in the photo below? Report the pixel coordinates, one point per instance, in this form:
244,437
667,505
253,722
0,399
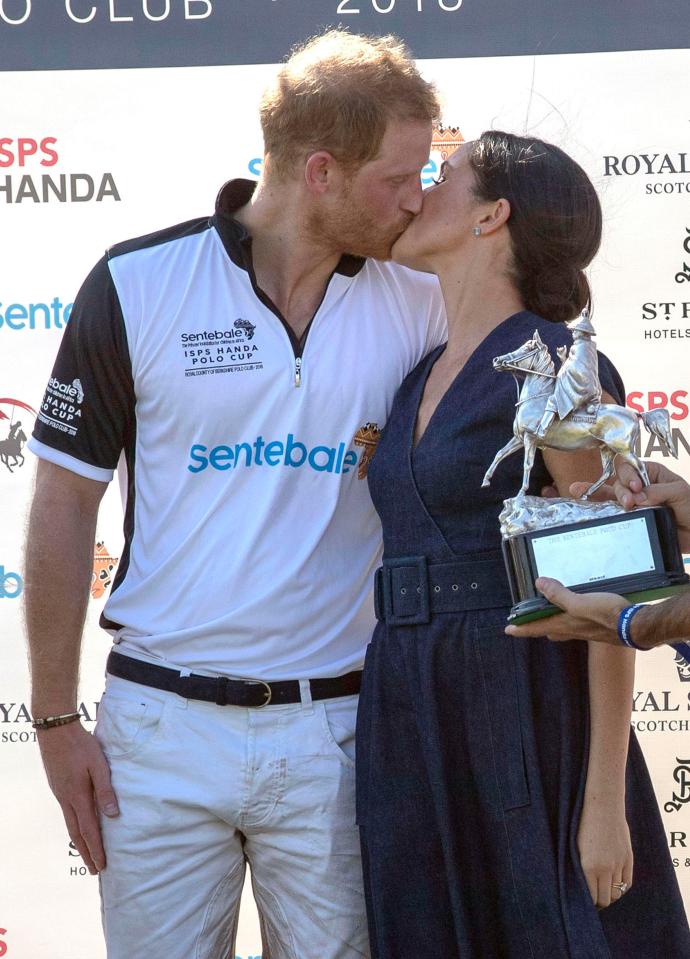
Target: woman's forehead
459,155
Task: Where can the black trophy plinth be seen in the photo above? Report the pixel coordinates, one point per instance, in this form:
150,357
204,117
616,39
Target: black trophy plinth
640,548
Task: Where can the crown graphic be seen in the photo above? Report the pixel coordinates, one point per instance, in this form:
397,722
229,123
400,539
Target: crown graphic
103,566
445,140
367,436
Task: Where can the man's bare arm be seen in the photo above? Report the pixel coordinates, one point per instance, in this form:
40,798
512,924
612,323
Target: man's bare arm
667,622
59,564
594,616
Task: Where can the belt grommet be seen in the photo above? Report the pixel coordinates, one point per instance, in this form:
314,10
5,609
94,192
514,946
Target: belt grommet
403,590
474,585
419,589
455,587
437,589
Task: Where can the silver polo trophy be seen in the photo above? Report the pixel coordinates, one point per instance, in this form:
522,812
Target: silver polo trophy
588,546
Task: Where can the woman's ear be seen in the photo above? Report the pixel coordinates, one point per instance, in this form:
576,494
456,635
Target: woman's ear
497,215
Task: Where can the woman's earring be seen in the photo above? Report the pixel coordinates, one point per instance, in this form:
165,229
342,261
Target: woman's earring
477,231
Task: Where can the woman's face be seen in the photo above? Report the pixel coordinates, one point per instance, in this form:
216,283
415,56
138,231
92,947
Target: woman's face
450,210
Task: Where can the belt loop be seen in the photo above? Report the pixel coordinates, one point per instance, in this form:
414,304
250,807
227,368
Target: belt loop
222,691
181,701
305,696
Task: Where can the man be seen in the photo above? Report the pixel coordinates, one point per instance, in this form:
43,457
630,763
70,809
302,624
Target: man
230,361
596,616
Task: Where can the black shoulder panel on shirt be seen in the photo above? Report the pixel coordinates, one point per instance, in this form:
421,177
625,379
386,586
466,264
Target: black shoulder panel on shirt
177,232
88,407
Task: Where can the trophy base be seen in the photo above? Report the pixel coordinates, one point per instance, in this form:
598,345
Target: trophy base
633,554
540,608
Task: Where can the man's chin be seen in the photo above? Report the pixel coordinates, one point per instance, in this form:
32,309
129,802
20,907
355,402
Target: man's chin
371,251
400,252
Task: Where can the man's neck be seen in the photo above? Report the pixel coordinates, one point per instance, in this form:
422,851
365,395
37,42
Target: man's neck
291,266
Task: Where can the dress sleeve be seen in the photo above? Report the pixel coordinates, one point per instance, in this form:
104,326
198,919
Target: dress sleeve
87,412
610,379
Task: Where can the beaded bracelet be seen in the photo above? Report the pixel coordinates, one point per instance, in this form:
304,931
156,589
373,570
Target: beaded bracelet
50,721
624,619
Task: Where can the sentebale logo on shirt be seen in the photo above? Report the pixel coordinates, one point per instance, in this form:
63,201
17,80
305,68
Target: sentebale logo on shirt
289,452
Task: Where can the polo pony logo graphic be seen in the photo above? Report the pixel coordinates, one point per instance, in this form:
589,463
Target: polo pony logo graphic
245,325
11,447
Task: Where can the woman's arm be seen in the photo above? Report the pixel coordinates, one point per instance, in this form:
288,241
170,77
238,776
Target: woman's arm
603,836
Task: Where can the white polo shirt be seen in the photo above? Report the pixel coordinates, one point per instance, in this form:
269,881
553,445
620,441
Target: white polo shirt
250,541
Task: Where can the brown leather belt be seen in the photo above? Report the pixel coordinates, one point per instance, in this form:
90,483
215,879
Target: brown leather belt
251,694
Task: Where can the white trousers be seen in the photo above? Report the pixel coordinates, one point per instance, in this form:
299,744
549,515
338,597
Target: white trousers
203,789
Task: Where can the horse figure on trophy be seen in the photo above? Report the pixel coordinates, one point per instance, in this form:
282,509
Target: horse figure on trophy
565,411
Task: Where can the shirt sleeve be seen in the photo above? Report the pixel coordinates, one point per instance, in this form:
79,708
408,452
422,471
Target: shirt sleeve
437,322
87,417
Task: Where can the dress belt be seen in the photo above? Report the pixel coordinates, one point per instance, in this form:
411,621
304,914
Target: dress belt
408,590
249,693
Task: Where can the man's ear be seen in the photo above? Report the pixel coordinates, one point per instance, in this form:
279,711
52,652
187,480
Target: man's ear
321,171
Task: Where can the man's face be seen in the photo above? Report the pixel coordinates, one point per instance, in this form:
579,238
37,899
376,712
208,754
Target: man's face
379,201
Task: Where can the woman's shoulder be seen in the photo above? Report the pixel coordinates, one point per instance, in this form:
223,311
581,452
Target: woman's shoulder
557,335
553,334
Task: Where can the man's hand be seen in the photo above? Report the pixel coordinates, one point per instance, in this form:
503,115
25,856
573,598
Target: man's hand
586,616
666,489
79,776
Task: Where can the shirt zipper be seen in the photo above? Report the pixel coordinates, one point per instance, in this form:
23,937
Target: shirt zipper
298,371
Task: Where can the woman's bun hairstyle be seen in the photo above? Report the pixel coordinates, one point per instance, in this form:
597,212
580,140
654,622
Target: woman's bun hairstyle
555,219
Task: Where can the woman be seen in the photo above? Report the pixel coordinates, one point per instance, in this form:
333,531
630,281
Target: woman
493,786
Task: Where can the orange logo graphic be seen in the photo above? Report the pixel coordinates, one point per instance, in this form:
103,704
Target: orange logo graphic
444,140
367,436
103,566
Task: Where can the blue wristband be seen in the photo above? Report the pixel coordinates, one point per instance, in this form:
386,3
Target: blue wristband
624,619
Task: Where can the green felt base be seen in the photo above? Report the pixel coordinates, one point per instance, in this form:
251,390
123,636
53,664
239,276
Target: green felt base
643,596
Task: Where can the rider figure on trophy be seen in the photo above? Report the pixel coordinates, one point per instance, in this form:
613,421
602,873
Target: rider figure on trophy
577,384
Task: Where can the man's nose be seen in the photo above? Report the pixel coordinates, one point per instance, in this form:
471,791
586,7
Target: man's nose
413,198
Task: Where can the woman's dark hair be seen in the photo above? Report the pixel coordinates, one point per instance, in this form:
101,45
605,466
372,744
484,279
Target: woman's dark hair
555,219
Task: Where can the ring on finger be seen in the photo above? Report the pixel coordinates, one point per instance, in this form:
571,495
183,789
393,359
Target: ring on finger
622,886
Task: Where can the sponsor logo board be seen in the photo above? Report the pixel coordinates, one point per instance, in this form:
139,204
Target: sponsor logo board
28,158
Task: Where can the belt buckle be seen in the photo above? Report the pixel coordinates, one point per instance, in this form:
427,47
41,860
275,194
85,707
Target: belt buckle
400,575
268,693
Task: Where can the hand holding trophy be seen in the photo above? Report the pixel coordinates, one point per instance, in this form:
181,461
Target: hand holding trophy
588,546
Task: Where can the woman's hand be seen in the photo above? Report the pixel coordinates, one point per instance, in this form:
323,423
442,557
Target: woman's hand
603,841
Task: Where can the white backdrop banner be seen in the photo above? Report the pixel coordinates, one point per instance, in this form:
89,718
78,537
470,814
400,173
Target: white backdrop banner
89,157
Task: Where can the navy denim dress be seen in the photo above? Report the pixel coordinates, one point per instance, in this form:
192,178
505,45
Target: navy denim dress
472,746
